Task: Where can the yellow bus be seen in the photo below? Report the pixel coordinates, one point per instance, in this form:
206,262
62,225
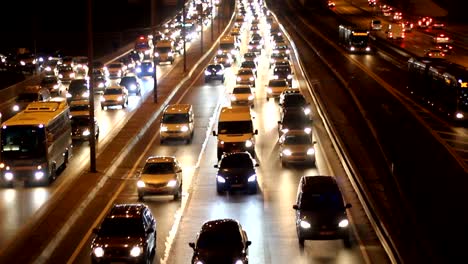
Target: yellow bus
35,143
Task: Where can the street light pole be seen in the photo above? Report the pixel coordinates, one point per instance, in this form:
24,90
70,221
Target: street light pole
201,36
183,35
153,31
92,138
211,14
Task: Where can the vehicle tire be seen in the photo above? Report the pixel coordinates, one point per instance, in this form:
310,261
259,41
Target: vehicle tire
301,241
161,141
220,190
252,106
139,93
268,98
252,189
178,194
140,197
284,164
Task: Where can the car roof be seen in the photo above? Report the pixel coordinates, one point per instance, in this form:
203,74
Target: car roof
177,108
220,224
126,211
319,183
160,159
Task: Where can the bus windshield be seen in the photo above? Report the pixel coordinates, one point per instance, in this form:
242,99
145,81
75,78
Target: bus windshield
235,127
23,142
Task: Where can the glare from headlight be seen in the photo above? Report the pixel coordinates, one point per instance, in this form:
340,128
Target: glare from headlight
251,97
133,87
86,132
252,178
459,115
306,111
98,252
238,79
68,95
305,224
343,223
119,98
150,69
38,175
85,94
141,184
171,183
287,152
163,128
135,252
184,128
16,108
8,176
352,48
102,99
248,143
207,73
101,85
239,261
284,130
170,54
22,63
220,179
60,76
233,98
308,130
269,90
48,68
156,54
311,151
199,262
138,70
367,48
251,79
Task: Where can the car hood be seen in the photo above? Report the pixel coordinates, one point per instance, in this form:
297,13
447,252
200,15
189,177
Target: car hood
323,217
111,97
117,241
235,137
236,172
175,127
157,178
297,148
219,255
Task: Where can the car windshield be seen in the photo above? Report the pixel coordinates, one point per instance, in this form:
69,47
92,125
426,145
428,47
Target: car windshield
242,90
147,64
214,67
295,119
113,91
65,69
250,55
175,118
114,66
121,226
220,239
277,83
283,70
248,64
294,100
163,49
237,161
244,72
158,168
235,127
80,107
23,142
48,81
321,201
128,80
80,121
298,140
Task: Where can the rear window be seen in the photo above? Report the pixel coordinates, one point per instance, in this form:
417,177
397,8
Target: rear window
237,161
321,201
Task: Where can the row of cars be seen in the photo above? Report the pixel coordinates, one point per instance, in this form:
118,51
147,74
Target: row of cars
225,240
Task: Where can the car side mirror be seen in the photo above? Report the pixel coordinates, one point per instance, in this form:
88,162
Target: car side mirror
216,166
295,207
256,132
214,133
96,230
248,243
150,230
279,122
314,142
348,206
192,245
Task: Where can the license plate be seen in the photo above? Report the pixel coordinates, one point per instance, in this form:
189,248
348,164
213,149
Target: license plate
236,185
326,233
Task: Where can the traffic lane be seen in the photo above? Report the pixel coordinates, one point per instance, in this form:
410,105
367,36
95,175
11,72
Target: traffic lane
406,143
204,98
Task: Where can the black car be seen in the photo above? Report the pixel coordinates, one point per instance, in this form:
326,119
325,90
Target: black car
214,72
132,83
81,129
293,101
52,83
78,90
249,64
294,120
221,241
127,234
145,68
320,210
280,72
236,170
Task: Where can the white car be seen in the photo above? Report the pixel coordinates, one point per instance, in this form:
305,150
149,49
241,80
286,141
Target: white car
275,87
245,76
242,95
113,96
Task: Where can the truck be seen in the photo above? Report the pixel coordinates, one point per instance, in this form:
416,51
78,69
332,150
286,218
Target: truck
395,31
144,47
235,130
164,51
354,39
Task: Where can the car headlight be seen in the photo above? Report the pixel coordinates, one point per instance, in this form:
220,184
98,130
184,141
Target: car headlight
351,48
275,77
238,79
141,184
98,252
101,85
239,262
459,115
48,68
120,98
16,108
251,79
56,86
306,110
343,223
156,54
147,52
72,75
220,179
367,48
38,175
22,63
252,178
199,262
248,143
68,95
150,69
86,132
289,76
311,151
233,98
250,47
135,251
284,130
287,152
8,176
251,97
304,224
102,99
269,90
60,76
163,128
85,94
171,183
308,130
184,128
138,70
207,73
170,54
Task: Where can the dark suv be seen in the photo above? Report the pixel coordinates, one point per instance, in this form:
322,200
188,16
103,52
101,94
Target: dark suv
294,101
280,72
214,72
127,234
221,241
294,120
320,210
236,170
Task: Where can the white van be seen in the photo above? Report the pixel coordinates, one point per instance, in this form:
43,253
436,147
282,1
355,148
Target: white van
177,122
235,130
